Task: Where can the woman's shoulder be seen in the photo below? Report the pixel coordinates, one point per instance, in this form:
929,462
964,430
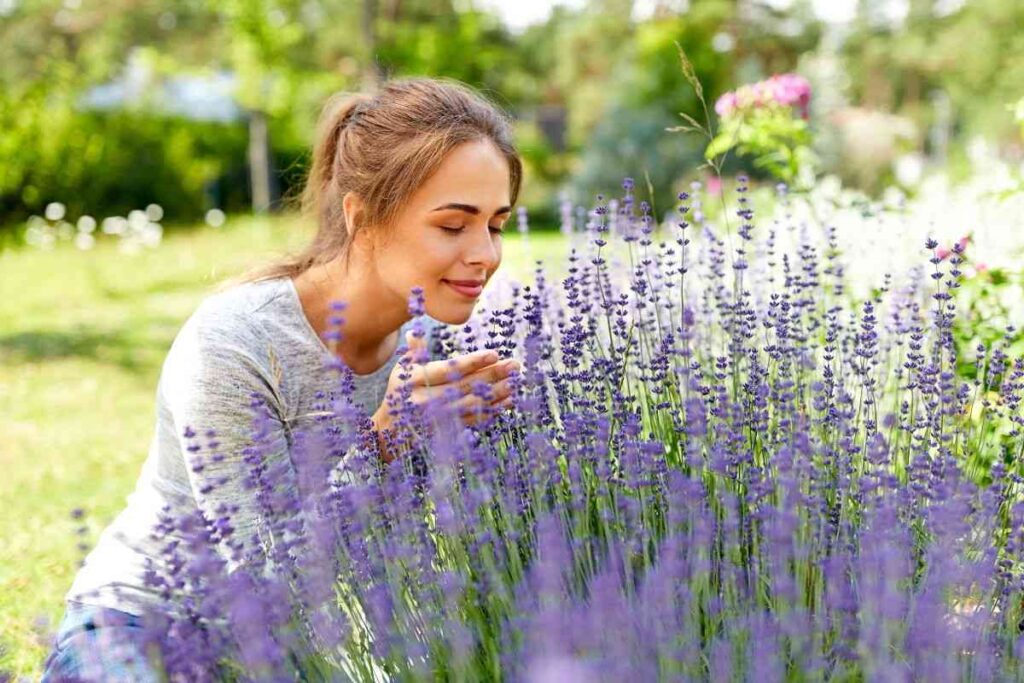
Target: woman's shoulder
243,299
224,329
233,312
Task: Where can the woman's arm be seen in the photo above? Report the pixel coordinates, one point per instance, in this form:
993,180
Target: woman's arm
209,383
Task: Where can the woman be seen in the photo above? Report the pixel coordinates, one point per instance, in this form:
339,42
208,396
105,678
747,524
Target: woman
411,187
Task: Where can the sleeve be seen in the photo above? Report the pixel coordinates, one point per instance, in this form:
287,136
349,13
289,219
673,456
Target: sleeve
211,382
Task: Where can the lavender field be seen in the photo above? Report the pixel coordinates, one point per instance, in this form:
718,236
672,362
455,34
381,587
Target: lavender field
725,463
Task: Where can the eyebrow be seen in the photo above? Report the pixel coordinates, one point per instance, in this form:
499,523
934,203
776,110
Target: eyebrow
469,208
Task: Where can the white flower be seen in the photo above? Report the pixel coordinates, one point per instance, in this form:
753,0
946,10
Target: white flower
114,225
84,241
215,218
86,224
152,234
137,220
55,211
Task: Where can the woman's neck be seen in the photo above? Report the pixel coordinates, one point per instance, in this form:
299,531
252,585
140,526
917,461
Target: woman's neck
372,319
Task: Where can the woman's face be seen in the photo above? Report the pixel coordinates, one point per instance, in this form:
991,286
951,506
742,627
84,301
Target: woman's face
447,239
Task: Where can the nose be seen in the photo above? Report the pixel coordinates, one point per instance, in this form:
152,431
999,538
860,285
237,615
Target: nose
483,250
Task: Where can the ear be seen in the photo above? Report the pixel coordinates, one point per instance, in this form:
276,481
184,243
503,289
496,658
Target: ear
352,205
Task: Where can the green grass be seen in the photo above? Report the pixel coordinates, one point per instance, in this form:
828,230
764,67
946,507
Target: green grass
82,339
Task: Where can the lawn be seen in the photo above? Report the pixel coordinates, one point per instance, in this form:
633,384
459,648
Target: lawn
82,339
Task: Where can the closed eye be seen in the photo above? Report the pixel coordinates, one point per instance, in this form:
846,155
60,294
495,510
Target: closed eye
456,231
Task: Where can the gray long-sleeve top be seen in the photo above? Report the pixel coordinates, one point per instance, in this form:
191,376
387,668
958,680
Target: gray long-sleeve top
251,338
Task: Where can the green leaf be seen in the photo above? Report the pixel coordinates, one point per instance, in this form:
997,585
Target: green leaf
721,144
692,121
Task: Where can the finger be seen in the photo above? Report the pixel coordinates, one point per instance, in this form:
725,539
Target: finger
444,371
501,390
478,411
468,405
492,374
474,410
482,417
494,409
446,393
504,404
456,392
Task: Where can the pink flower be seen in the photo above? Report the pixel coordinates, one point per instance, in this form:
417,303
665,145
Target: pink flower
786,90
962,242
943,253
749,95
726,104
791,90
714,185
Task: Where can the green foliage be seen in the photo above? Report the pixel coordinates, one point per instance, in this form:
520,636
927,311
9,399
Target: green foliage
628,138
987,314
985,321
110,163
778,142
425,43
288,57
632,141
595,61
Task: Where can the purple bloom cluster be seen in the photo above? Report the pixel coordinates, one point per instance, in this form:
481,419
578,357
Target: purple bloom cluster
720,467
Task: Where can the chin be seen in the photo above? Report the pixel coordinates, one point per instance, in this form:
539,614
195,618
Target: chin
443,307
449,315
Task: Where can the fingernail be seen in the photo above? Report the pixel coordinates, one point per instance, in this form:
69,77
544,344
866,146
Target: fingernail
490,356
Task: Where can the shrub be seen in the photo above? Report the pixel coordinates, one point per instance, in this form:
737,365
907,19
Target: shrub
113,162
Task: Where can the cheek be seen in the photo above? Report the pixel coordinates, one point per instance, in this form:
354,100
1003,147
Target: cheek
437,253
429,259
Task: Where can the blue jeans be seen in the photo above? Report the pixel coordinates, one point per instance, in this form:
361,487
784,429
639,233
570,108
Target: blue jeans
98,644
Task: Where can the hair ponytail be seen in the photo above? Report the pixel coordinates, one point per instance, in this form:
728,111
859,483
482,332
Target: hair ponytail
339,111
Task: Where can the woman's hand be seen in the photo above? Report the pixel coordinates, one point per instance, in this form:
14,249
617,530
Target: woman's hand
433,379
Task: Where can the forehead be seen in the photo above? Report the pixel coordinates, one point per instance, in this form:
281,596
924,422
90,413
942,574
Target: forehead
471,173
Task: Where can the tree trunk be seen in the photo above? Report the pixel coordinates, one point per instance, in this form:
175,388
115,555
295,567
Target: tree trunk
259,162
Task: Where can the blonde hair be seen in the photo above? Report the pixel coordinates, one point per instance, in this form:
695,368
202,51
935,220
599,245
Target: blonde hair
383,147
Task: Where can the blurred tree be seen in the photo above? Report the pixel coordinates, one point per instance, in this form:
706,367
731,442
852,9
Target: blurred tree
972,51
55,150
260,35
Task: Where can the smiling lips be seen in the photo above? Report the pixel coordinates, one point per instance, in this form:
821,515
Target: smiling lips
468,288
